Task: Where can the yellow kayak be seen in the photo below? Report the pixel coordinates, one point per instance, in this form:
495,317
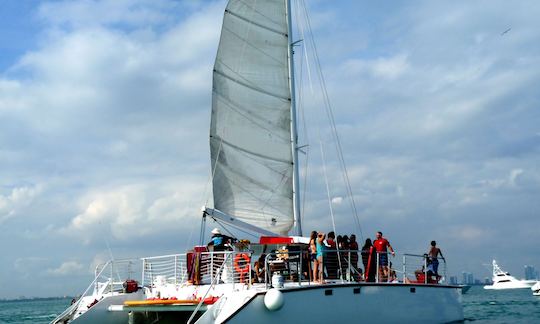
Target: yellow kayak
160,302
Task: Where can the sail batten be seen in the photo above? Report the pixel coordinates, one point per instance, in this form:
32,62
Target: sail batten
252,87
250,132
262,156
255,23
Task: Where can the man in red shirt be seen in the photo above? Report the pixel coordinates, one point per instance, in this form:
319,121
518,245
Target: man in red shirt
382,245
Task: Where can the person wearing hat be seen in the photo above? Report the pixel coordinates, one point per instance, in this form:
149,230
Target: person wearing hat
219,241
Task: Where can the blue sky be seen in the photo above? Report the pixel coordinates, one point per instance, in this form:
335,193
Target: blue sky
104,116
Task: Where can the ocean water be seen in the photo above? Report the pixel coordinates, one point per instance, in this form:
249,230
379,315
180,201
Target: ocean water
32,310
479,306
500,306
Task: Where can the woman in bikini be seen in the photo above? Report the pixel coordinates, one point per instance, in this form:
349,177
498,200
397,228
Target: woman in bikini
313,254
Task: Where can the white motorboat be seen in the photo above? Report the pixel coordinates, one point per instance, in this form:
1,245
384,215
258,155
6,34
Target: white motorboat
536,289
255,177
503,280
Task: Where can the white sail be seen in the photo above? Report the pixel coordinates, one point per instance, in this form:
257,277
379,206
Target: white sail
250,135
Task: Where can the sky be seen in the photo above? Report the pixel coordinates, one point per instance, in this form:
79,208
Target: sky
104,121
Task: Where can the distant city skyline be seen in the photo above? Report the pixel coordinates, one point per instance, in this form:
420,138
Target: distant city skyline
469,278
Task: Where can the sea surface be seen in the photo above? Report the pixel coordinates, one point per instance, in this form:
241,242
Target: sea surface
479,306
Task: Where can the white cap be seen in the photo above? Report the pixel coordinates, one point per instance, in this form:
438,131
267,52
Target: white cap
216,231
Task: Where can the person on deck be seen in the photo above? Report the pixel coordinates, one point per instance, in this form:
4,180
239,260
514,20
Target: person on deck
313,256
433,254
320,256
331,258
220,241
369,259
382,246
344,256
259,269
353,246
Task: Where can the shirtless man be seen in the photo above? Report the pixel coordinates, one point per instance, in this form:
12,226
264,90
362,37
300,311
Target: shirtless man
382,245
433,254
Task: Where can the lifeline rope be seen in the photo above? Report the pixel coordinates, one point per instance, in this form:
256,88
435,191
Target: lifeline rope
330,205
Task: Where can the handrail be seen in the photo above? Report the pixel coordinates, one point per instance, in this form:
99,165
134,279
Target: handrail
75,305
212,284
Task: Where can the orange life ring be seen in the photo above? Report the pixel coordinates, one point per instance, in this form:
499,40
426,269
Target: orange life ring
242,270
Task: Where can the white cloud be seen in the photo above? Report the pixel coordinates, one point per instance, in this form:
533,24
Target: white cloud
66,268
385,68
514,174
15,202
132,211
337,200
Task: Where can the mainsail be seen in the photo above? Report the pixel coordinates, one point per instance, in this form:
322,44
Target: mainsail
250,131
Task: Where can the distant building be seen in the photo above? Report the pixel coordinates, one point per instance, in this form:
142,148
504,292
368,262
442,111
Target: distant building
453,280
531,273
488,281
468,278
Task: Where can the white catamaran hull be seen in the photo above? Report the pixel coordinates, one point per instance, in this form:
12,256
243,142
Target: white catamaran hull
383,303
99,312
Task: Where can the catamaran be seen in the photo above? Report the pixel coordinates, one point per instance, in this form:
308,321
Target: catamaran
503,280
255,177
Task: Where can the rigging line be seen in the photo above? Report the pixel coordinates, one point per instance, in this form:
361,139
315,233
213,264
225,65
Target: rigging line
206,197
109,248
212,175
236,227
302,32
329,200
225,229
332,123
302,110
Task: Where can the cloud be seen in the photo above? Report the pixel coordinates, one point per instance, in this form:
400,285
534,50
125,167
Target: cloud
337,200
131,211
17,200
29,267
66,268
384,68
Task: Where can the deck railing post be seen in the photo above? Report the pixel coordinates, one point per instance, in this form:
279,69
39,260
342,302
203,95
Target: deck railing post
349,266
425,270
404,267
143,272
378,269
175,269
211,265
300,271
112,278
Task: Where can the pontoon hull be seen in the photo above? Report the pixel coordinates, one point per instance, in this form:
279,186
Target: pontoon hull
381,303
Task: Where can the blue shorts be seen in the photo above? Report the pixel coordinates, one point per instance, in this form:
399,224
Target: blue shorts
383,259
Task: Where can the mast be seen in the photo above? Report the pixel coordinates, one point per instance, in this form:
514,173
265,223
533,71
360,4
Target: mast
294,132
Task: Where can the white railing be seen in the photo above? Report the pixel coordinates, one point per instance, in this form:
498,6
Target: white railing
109,277
347,266
423,269
197,268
